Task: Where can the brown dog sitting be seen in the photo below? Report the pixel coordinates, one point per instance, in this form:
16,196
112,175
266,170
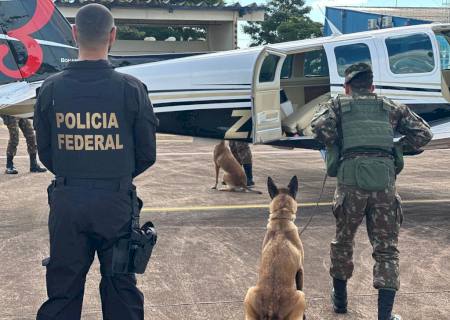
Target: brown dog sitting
277,294
234,176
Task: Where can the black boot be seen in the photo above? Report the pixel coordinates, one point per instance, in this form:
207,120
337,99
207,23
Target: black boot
339,295
249,173
34,166
10,169
386,299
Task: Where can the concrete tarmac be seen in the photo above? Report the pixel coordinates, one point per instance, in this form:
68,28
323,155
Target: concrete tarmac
209,241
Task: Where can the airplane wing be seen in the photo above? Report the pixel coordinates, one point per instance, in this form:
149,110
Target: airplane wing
440,129
17,99
441,135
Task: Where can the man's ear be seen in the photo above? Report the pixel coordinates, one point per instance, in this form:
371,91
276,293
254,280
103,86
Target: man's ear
348,89
74,33
112,36
272,188
293,187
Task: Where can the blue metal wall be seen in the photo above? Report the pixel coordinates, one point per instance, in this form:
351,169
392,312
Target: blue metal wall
350,21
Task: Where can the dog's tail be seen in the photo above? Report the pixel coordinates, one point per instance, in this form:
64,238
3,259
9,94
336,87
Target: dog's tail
252,191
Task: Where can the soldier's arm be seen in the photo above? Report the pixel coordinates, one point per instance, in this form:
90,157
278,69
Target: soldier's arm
324,123
144,132
41,122
416,131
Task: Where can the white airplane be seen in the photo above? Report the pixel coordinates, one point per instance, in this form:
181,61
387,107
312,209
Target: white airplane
255,95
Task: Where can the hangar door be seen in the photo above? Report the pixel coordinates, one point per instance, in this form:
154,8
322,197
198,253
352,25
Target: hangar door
266,96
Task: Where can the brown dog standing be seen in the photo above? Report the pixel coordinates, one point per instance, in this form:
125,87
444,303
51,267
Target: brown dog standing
234,176
277,294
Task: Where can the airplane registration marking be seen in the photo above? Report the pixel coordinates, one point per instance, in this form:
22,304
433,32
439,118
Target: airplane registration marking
42,15
233,133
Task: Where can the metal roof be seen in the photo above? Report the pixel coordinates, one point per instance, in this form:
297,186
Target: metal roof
157,4
433,14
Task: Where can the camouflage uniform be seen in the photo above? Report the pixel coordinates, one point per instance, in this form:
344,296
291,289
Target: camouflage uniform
241,151
382,209
25,125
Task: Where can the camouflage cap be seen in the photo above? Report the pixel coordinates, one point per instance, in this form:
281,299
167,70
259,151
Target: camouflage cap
356,69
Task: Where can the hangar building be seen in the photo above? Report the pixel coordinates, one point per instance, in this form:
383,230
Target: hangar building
219,21
357,19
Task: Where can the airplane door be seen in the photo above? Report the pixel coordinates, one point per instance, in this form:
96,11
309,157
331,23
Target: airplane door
266,96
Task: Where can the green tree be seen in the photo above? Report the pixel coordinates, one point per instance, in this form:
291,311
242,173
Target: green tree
284,20
129,33
139,32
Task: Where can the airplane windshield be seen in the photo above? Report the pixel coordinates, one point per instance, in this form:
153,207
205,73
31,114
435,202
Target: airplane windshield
443,40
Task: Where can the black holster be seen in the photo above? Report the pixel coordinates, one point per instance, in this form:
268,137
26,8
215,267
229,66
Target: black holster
132,254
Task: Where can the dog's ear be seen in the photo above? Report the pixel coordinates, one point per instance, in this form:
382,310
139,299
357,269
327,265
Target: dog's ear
293,187
272,188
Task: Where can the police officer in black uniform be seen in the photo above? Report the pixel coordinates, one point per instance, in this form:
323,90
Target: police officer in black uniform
95,131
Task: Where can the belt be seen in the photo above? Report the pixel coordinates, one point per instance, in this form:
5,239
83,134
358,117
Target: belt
376,154
120,184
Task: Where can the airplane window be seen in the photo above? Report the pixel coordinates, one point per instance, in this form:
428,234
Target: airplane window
316,64
286,70
54,37
351,54
269,68
410,54
444,50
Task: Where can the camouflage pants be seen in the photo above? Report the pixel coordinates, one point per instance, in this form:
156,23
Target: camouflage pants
241,151
383,219
26,127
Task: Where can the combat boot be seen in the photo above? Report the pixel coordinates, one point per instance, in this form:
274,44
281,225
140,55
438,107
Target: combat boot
386,299
34,166
339,295
10,169
249,173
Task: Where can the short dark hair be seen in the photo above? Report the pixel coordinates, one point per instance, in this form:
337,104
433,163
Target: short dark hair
362,81
94,23
359,76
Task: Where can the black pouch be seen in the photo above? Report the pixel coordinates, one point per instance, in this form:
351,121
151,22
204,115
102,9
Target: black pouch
131,255
143,247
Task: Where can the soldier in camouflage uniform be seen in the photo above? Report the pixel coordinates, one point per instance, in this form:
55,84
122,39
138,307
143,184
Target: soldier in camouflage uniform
25,125
241,151
361,126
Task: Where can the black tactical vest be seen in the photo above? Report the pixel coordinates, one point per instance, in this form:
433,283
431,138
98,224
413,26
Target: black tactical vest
92,130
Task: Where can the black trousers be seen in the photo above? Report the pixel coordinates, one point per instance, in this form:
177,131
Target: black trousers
84,220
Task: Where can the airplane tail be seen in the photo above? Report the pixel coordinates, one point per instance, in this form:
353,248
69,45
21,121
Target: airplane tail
35,40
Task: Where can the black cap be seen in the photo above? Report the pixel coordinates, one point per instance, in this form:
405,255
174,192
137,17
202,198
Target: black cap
357,69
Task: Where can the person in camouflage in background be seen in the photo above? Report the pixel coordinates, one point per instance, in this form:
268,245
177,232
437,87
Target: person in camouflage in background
13,124
362,125
241,151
